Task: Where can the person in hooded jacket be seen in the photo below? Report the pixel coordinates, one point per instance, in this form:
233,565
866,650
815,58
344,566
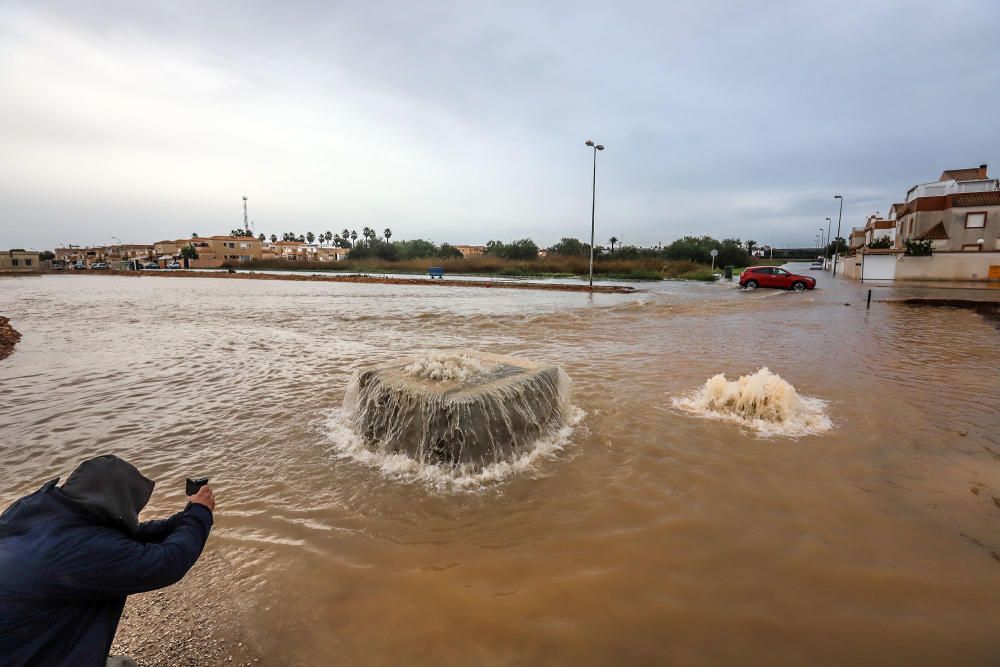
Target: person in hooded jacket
70,555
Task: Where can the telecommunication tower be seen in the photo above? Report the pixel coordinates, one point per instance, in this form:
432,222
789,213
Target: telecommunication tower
245,223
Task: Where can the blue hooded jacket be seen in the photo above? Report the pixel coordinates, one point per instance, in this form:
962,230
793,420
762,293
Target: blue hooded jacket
69,557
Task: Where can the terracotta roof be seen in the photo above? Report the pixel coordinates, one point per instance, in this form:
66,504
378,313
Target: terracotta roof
967,174
976,199
884,224
230,238
935,233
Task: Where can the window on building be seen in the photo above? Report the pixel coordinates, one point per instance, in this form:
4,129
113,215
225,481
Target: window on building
27,262
15,261
975,220
970,247
243,245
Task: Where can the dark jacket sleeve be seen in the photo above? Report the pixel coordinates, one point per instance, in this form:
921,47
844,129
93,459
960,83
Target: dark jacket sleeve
158,529
115,564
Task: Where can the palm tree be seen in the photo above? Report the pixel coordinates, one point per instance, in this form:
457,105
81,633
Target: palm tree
194,235
750,246
354,237
388,234
327,237
613,240
345,234
261,237
274,238
310,237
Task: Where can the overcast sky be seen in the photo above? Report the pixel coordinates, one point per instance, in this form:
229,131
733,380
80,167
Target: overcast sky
466,121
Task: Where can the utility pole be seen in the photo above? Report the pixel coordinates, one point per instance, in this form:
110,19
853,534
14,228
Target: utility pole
245,223
836,248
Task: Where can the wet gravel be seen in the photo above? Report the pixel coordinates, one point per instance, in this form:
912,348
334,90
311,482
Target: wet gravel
8,338
188,624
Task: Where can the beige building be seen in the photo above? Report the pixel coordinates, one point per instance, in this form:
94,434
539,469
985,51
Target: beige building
291,251
960,212
877,228
216,251
110,254
470,250
331,254
20,260
856,241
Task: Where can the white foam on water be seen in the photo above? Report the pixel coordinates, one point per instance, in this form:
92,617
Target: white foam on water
446,367
763,402
401,467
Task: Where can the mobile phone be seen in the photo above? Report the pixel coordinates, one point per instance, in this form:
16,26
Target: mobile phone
193,484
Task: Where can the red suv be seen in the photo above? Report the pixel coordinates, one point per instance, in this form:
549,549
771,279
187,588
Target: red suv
772,276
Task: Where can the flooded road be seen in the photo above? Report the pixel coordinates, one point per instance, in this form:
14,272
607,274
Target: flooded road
644,535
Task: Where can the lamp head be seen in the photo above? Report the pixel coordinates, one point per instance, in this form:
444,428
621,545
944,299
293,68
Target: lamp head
589,142
838,196
600,147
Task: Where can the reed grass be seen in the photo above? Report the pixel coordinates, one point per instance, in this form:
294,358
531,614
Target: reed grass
553,266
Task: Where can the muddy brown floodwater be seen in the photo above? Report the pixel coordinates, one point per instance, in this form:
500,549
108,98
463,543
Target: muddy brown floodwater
644,534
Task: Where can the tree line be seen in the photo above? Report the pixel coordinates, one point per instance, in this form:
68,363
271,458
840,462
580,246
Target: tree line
372,244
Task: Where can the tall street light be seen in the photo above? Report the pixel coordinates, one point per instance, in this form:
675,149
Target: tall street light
837,246
121,256
593,206
826,251
821,239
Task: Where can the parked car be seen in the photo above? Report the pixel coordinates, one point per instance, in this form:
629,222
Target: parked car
772,276
78,266
150,265
174,265
99,265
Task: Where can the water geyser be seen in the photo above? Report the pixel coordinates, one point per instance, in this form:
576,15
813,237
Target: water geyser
465,409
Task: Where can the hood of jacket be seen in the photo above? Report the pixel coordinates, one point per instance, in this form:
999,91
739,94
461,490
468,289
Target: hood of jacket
111,489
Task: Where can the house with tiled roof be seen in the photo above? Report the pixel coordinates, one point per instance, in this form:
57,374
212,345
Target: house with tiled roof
877,228
960,212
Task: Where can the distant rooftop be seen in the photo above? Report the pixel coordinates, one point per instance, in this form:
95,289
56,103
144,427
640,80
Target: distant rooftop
966,174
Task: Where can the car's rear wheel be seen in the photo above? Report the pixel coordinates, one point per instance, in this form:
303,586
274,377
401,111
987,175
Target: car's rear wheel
751,284
798,286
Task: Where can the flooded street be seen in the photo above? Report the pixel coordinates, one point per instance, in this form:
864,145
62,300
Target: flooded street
643,534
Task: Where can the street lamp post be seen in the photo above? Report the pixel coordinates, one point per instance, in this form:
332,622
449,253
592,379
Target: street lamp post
121,250
821,241
836,248
593,208
826,251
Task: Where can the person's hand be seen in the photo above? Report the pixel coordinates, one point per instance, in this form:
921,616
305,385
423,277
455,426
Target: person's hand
205,496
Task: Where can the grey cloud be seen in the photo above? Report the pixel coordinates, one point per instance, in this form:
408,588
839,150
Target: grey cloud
465,121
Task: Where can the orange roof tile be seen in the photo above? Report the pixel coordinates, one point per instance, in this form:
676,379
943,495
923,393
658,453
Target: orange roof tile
976,199
967,174
935,233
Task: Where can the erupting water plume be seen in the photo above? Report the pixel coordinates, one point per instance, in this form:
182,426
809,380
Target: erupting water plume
465,411
763,401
